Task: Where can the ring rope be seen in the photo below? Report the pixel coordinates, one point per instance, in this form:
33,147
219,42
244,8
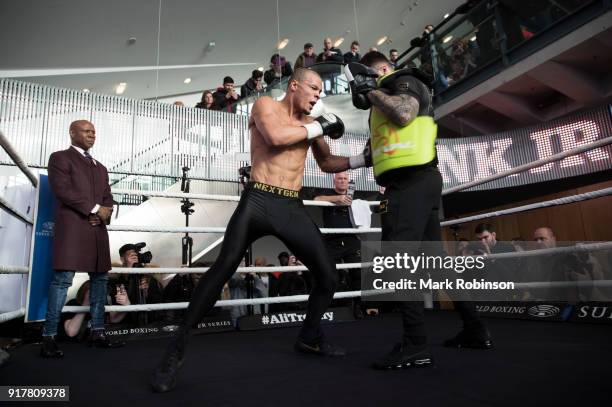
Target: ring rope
7,316
553,202
165,270
221,303
564,284
14,269
555,250
199,270
221,229
15,212
230,198
303,298
6,145
528,166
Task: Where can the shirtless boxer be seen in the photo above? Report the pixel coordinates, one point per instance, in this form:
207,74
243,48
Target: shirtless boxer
281,134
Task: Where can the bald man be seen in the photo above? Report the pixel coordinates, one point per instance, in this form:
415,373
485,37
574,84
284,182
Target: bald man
281,135
330,53
80,242
344,248
544,238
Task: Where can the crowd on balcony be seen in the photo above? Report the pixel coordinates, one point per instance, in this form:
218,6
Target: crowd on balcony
224,98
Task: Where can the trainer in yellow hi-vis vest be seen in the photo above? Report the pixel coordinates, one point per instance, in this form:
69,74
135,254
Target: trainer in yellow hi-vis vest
396,146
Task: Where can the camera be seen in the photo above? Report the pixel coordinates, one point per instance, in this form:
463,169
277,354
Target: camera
245,172
143,258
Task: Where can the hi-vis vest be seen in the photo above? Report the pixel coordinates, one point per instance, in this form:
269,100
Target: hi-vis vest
398,147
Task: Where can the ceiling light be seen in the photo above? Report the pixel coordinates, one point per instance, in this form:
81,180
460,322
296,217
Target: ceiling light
447,39
339,42
187,80
85,90
120,88
446,16
261,68
473,38
283,43
382,40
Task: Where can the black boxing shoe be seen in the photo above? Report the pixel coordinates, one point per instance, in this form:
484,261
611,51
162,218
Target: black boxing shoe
320,348
405,356
49,348
473,338
165,374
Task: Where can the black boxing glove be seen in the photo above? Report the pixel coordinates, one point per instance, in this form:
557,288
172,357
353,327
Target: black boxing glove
364,159
362,80
327,124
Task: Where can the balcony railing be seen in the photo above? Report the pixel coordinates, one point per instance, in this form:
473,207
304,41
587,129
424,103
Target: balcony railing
479,41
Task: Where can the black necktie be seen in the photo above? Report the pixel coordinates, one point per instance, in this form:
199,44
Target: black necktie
89,157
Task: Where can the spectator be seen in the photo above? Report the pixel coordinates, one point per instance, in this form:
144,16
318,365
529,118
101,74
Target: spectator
253,86
462,247
461,61
306,58
344,248
497,270
141,288
180,288
544,238
425,42
238,290
279,69
273,280
292,283
353,55
330,53
265,278
225,96
178,103
76,326
517,243
81,186
393,55
207,101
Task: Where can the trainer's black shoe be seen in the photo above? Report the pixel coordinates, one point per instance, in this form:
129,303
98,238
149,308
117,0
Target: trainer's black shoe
164,376
404,356
321,348
471,338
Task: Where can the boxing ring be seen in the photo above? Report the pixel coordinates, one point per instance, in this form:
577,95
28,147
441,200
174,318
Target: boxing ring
233,367
7,269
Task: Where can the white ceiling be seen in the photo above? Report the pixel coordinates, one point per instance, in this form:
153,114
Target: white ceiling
92,36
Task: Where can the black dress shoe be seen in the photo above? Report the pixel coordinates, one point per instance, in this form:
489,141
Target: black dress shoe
49,348
405,356
471,338
320,348
164,376
99,339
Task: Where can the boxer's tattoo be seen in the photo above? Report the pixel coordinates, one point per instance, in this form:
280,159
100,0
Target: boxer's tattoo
400,109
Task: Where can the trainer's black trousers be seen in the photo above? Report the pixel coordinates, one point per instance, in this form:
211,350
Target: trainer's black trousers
265,210
412,215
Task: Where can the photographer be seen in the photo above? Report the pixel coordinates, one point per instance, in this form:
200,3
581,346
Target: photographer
140,288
